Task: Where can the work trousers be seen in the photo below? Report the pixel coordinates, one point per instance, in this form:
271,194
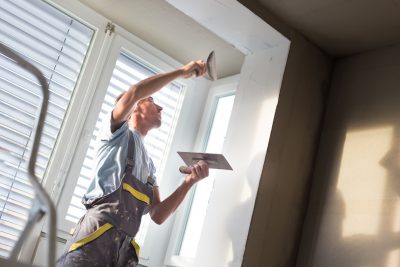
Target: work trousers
94,244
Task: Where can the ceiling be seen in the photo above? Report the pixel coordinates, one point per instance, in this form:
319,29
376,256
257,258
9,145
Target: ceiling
171,31
341,27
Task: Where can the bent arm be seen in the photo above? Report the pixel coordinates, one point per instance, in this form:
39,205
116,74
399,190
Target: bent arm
161,210
125,105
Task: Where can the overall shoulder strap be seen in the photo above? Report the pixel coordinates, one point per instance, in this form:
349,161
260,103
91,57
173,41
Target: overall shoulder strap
130,161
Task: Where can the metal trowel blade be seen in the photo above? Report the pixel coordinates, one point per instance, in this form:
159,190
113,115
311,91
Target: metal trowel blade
211,67
215,161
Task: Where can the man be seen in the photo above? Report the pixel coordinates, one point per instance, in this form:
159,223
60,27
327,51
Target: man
124,187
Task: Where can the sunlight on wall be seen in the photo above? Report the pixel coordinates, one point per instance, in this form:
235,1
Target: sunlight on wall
362,179
393,258
259,139
230,255
246,192
396,222
262,132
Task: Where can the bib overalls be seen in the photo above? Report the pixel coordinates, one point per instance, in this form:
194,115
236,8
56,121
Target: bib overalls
104,236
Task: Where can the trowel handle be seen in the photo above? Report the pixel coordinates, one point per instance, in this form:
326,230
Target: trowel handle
185,170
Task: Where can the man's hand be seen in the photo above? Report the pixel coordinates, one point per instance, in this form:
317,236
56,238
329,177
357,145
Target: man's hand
198,172
197,68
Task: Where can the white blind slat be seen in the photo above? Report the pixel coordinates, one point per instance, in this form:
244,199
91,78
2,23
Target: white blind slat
52,25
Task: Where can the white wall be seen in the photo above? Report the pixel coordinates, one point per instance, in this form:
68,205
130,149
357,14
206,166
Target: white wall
232,200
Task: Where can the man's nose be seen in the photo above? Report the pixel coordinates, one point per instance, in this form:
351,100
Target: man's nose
159,108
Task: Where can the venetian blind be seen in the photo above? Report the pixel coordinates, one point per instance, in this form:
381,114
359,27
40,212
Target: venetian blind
57,45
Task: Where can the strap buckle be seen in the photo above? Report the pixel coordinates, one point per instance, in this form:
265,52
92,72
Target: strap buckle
150,181
130,162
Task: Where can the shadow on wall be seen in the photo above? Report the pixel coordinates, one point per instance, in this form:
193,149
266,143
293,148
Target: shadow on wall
391,162
362,225
359,249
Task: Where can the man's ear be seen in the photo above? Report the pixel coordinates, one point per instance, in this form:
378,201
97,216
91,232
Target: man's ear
136,107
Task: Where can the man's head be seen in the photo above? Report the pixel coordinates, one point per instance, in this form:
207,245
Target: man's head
145,116
147,113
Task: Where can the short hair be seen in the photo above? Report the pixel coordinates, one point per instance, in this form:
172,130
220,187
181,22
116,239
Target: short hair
136,104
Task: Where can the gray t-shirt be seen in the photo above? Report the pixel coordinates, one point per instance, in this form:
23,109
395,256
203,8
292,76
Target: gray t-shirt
111,160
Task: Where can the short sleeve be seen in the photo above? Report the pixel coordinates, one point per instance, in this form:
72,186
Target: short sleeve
152,172
105,133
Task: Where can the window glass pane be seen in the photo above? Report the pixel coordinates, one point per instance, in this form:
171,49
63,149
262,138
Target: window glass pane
128,71
56,44
199,205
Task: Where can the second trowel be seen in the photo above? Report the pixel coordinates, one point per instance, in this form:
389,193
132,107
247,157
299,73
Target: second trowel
214,161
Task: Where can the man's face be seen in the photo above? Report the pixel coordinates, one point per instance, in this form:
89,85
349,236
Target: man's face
150,111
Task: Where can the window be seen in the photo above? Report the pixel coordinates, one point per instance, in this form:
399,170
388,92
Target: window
57,45
188,226
130,70
214,143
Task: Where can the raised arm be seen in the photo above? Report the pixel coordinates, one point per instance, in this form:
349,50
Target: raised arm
161,210
125,105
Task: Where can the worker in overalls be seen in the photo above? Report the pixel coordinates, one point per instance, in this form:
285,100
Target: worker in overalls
125,187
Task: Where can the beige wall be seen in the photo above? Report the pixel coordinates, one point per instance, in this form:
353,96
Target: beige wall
284,187
354,215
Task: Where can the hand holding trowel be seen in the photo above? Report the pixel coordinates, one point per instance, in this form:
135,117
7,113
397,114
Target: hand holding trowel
211,66
214,161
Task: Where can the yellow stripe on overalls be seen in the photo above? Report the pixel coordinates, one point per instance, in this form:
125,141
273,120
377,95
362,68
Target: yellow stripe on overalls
136,247
96,234
139,195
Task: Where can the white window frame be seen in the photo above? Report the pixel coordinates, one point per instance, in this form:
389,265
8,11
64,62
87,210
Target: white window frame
220,88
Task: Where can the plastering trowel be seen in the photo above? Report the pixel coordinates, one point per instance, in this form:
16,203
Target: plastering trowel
214,161
211,66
